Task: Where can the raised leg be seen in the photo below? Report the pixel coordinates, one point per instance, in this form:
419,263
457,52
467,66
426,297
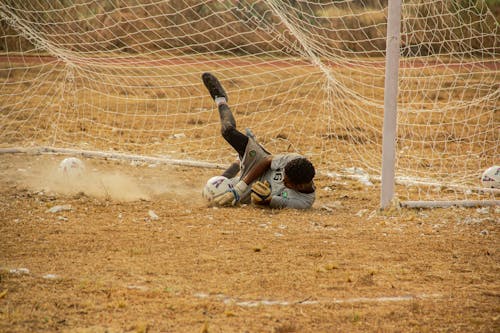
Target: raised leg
229,132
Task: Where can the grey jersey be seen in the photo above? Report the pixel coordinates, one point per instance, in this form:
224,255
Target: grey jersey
281,196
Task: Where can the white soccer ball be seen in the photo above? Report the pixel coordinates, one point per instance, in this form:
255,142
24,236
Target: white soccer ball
71,167
491,177
216,186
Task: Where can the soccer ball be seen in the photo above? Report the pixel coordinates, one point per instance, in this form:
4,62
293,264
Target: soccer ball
216,186
491,177
71,167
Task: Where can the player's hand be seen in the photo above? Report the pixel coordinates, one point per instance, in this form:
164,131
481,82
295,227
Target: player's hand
224,199
261,192
231,197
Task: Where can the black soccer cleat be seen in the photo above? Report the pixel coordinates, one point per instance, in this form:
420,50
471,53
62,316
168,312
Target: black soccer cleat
213,86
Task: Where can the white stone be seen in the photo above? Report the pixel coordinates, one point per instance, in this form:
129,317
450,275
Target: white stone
153,215
361,212
19,271
59,208
483,210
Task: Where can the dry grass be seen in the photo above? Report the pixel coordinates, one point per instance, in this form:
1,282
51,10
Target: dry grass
340,267
106,265
162,109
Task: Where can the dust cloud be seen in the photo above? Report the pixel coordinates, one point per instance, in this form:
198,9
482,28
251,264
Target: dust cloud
104,182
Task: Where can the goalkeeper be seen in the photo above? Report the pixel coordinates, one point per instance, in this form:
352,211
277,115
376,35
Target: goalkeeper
277,181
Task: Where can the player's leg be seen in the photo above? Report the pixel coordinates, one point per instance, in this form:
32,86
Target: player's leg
229,132
233,170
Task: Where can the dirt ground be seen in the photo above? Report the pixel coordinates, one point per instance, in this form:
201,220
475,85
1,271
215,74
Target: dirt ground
136,249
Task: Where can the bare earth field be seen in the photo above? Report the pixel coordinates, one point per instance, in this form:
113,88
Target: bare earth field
138,250
133,247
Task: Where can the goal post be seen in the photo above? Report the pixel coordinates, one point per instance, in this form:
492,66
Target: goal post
389,155
390,103
320,78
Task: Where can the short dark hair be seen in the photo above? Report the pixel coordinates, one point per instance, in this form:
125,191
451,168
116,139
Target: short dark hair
300,170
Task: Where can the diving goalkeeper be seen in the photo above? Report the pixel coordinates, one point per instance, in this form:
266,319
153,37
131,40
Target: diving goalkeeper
277,181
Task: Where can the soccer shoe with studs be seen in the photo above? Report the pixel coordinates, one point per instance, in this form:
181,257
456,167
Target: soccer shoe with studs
213,86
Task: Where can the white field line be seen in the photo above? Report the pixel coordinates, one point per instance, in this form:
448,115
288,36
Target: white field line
110,155
209,165
201,164
255,302
411,181
266,302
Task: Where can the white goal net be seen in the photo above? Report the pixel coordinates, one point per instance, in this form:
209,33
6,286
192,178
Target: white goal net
306,76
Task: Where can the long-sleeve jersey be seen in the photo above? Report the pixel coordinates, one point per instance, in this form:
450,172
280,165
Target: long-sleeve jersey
281,196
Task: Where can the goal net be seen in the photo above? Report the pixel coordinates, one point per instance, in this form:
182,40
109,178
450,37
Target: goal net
123,76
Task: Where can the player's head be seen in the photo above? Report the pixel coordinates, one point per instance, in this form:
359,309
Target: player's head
299,171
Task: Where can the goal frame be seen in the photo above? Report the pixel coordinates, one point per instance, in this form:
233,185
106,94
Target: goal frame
393,39
389,133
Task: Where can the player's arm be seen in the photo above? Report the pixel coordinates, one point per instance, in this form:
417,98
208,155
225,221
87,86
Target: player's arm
258,170
234,195
280,202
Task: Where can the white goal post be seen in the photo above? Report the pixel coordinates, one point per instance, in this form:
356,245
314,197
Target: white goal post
388,176
390,103
122,78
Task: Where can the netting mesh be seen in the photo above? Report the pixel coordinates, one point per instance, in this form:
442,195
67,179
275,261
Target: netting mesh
305,76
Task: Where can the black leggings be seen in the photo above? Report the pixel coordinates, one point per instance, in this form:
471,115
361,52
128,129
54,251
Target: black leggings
229,132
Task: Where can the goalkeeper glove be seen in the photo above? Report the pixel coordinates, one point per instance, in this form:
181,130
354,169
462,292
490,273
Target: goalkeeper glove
232,196
261,191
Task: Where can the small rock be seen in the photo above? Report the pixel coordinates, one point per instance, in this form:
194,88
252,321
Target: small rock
135,163
484,232
365,180
362,212
325,207
355,171
153,215
483,210
330,207
135,287
19,271
57,209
